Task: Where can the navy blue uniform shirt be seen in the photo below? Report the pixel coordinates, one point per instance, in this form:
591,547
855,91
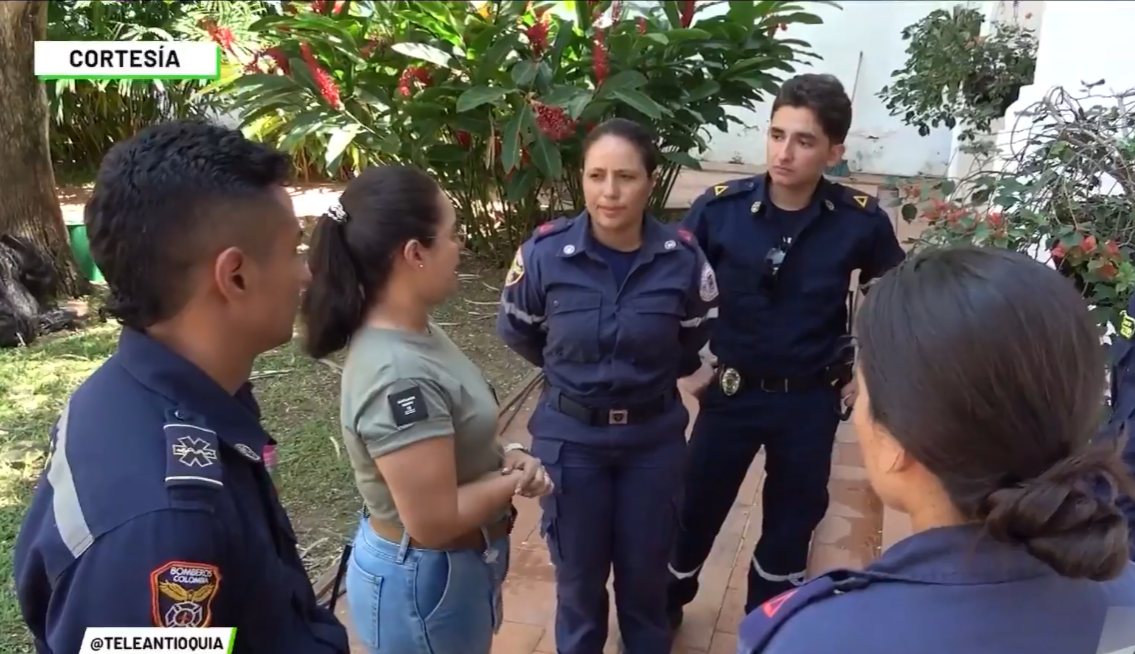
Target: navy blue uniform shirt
601,340
155,509
947,591
793,329
1123,402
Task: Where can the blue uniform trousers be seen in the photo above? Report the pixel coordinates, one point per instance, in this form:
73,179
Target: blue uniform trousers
797,430
613,507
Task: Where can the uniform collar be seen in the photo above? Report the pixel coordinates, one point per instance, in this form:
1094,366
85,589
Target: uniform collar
197,397
821,199
579,240
957,556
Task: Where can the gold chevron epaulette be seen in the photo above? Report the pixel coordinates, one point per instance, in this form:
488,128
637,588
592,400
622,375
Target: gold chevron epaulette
856,199
730,188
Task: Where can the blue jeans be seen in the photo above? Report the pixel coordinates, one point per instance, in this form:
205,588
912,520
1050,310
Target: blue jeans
405,600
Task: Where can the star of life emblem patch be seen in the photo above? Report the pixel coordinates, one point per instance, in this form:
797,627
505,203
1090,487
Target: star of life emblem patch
192,451
182,594
708,288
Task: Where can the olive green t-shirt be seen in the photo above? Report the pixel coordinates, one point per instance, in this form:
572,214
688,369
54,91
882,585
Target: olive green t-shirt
400,388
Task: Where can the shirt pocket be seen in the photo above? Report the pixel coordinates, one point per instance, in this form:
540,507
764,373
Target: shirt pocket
573,326
650,331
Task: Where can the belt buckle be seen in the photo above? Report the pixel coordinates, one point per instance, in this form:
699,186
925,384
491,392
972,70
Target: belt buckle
617,417
783,386
730,381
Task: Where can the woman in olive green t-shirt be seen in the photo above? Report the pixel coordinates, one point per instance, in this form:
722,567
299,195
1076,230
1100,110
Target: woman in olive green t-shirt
418,421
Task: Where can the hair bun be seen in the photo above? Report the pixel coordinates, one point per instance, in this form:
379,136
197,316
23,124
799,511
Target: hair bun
1063,518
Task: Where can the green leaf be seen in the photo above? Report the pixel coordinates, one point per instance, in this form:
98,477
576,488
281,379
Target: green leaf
708,89
513,138
947,186
479,95
625,79
577,105
491,62
909,212
424,52
546,156
689,34
447,152
302,126
520,186
337,144
639,101
524,73
683,159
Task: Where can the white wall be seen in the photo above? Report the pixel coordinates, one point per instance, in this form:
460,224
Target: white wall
878,143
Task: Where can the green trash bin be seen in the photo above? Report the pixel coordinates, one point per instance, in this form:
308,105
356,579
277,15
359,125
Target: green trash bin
81,248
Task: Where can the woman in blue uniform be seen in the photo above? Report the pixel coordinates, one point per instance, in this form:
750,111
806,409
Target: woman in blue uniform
614,307
980,388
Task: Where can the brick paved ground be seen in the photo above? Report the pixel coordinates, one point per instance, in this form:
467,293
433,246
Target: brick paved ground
848,536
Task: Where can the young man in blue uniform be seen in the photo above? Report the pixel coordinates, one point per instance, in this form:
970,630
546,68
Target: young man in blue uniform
1122,422
155,508
783,246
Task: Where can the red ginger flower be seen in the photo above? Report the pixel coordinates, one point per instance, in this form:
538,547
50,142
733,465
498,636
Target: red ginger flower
687,13
538,36
600,64
323,80
553,121
279,59
411,74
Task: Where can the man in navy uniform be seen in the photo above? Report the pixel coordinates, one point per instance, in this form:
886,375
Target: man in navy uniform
783,245
155,508
1122,422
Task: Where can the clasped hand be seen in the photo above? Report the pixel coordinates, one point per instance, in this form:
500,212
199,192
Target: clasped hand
531,478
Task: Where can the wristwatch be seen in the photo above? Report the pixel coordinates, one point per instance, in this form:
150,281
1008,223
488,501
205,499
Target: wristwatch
516,447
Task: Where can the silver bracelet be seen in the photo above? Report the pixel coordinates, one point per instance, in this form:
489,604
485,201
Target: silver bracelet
516,447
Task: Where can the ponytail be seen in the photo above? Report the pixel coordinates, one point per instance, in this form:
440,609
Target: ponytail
333,305
354,247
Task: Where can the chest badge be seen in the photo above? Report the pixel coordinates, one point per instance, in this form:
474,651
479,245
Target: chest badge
670,245
730,381
830,205
756,207
569,249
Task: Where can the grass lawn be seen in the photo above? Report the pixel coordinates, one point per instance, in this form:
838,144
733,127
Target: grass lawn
300,403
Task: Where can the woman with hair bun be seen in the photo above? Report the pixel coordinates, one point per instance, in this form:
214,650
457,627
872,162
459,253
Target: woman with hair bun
981,382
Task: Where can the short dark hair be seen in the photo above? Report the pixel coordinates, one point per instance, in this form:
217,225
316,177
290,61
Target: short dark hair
160,203
351,258
824,95
987,367
631,132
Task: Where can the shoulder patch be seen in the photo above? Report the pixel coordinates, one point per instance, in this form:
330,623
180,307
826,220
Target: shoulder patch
516,270
192,456
182,593
728,189
707,288
551,227
1126,325
408,406
855,198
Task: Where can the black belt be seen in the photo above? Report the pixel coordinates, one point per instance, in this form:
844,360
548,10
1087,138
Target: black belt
733,381
630,414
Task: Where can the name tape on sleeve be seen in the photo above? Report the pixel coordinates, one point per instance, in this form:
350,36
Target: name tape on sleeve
127,60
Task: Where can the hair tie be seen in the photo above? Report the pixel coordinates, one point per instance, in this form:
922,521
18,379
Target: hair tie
337,213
